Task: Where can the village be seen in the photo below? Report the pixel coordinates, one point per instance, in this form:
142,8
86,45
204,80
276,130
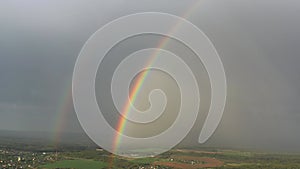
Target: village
14,159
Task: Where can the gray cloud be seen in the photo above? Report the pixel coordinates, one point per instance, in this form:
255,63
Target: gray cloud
257,40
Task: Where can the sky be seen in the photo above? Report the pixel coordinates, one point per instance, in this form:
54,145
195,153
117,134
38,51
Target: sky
258,42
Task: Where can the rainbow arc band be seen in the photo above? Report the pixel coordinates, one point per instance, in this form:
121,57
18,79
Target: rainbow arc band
90,57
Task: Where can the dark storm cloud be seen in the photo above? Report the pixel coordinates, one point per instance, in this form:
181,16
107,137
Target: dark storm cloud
257,40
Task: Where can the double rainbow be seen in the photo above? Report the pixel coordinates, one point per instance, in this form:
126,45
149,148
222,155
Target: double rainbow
66,105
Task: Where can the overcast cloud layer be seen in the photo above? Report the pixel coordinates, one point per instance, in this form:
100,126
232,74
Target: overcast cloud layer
258,41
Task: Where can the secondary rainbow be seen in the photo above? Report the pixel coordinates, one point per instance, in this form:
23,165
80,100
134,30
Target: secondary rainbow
62,113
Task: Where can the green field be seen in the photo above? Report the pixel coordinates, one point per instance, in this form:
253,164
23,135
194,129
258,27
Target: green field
76,164
177,158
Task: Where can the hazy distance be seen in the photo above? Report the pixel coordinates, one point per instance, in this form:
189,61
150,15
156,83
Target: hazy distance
258,42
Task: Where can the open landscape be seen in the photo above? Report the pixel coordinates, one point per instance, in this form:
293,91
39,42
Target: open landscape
145,84
38,154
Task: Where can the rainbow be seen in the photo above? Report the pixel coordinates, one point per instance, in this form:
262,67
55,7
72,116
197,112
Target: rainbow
66,103
141,79
62,114
133,95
